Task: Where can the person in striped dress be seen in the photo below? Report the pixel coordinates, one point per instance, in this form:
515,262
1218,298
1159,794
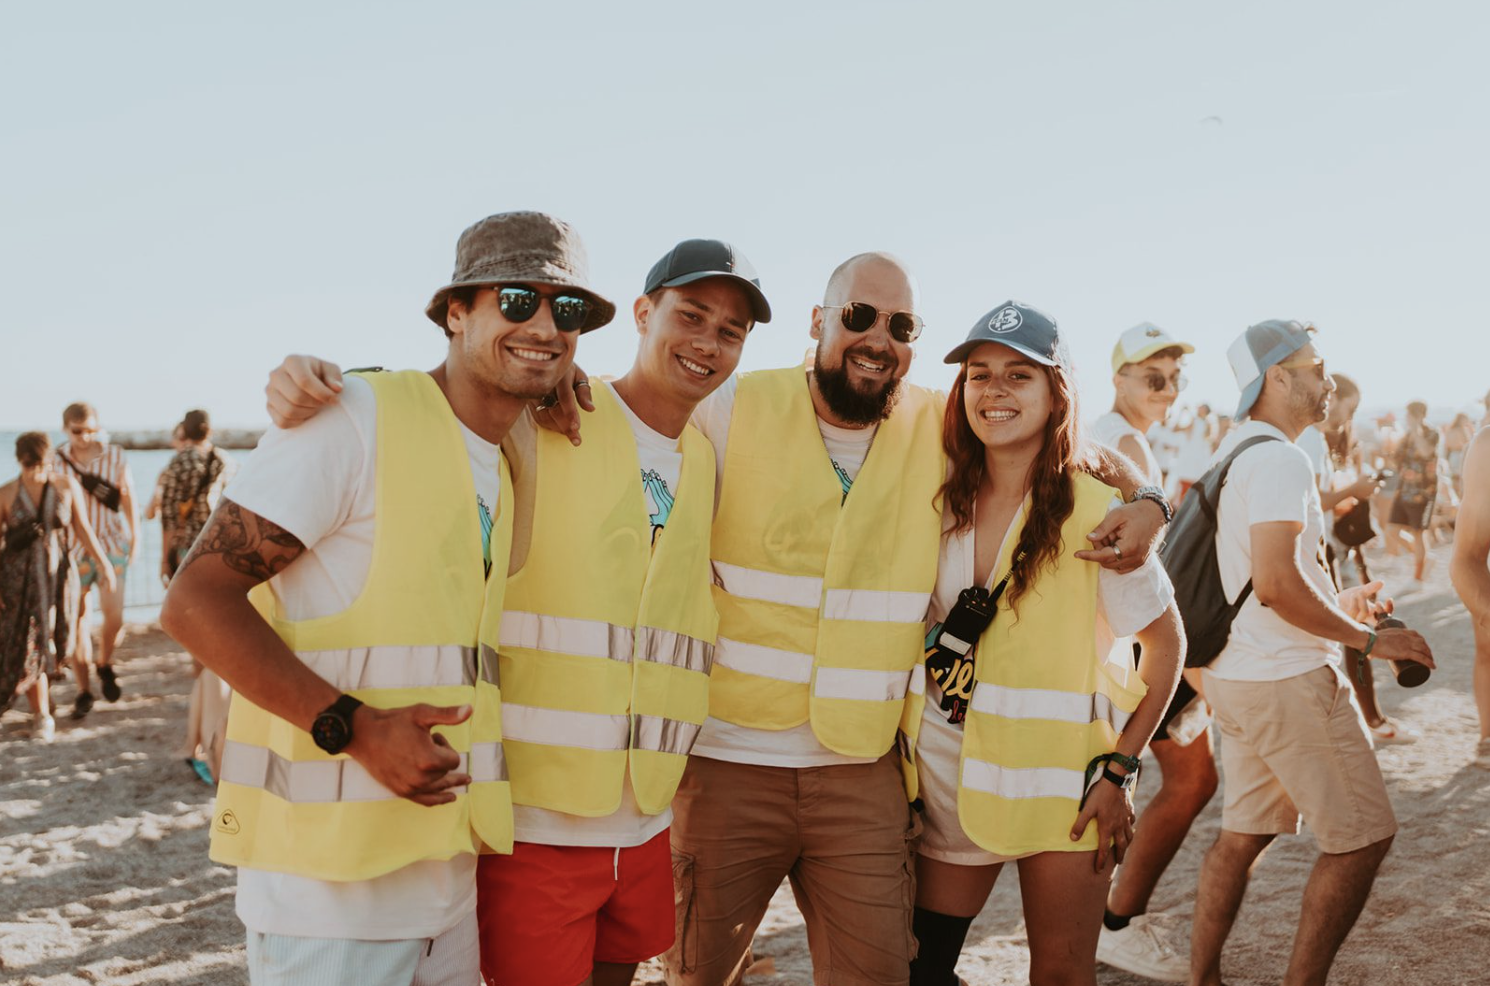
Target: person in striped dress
117,523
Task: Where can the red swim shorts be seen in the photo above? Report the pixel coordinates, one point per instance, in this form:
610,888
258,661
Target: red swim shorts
549,913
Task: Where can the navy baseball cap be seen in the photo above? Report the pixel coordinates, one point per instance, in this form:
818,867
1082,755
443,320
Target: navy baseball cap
1263,345
694,260
1022,328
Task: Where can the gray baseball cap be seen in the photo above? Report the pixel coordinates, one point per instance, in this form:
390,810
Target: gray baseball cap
522,248
694,260
1021,327
1263,345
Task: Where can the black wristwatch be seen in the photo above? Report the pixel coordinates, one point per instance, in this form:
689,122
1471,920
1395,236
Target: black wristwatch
332,729
1124,781
1157,495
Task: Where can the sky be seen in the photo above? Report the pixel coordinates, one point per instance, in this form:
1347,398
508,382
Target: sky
190,191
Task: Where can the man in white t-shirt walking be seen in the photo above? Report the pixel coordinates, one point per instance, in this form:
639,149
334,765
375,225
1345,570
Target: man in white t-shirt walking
1294,746
363,767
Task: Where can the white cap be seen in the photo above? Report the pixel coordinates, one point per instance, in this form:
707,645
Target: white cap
1142,341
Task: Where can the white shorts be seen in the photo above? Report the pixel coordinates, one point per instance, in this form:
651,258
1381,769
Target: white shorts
938,755
451,959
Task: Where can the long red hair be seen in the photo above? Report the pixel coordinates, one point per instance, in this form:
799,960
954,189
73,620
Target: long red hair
1052,495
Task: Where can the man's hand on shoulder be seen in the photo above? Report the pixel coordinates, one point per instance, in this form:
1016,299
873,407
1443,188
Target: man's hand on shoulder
299,387
399,750
559,411
1126,537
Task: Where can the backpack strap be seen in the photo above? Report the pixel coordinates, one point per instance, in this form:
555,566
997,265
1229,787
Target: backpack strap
1212,507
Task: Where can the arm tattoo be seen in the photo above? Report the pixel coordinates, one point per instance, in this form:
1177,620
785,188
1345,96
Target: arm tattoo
248,543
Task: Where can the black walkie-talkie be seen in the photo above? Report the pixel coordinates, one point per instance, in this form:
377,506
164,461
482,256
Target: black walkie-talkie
950,662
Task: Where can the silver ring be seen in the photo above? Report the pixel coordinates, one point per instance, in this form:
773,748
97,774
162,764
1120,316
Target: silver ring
581,382
1117,552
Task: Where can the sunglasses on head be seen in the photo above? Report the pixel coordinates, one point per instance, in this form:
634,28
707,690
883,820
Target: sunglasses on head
859,316
1157,381
519,303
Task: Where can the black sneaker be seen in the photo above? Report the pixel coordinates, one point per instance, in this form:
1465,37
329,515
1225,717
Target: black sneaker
82,705
111,689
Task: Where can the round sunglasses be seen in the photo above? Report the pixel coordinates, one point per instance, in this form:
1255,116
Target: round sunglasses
519,303
1158,382
860,316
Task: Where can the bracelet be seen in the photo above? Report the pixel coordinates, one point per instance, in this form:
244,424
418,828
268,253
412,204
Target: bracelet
1370,642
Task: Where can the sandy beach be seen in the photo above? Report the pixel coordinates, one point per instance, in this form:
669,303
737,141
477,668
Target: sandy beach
104,876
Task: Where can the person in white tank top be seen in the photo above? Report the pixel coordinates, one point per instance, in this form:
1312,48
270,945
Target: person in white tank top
1147,380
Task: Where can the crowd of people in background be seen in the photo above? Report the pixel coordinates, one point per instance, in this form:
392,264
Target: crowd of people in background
751,683
71,522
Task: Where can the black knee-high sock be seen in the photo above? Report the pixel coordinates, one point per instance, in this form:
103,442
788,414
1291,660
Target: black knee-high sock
940,937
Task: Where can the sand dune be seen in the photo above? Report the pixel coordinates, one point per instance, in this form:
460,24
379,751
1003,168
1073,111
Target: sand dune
104,876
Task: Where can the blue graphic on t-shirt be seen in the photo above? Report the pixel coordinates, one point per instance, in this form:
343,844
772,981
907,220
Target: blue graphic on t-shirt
659,497
483,513
844,479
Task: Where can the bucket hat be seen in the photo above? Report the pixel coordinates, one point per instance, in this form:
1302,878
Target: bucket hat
521,248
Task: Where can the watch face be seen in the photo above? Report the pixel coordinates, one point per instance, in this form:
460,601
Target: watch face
330,732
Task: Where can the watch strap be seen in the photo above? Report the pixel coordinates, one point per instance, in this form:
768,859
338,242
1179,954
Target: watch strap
1155,494
1123,781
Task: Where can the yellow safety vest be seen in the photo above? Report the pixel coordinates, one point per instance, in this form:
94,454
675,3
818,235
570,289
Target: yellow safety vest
424,629
1044,703
607,638
822,596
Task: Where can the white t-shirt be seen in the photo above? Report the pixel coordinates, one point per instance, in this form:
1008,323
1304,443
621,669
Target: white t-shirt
1112,428
1270,482
318,482
799,745
1125,605
661,466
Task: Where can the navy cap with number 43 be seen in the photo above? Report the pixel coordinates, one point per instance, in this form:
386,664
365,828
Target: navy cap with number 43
1022,328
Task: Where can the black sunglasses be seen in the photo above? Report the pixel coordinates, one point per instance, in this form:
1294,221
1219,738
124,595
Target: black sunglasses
859,316
518,304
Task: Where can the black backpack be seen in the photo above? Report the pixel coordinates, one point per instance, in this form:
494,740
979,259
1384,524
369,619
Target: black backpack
1189,556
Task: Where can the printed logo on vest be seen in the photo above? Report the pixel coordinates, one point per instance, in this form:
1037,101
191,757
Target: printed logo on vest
1006,319
227,822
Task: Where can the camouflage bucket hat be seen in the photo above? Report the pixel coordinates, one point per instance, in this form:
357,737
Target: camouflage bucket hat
521,248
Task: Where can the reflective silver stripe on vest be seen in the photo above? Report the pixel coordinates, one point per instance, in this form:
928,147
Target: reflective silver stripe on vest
563,635
561,727
768,662
488,763
663,735
305,781
918,680
676,650
1017,782
770,587
874,606
491,668
423,666
1044,703
868,686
